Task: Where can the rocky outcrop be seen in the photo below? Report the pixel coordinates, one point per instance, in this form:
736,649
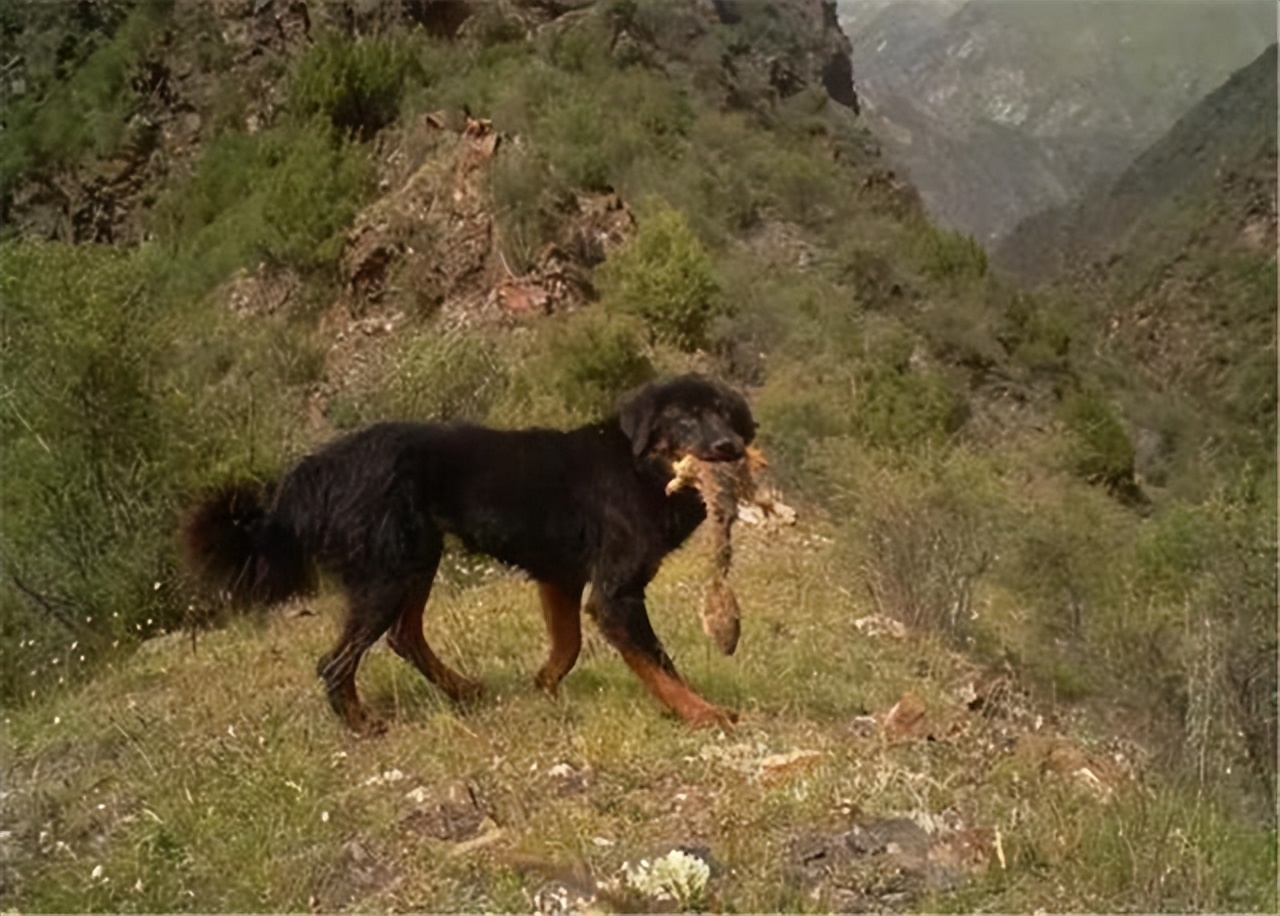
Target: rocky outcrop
820,54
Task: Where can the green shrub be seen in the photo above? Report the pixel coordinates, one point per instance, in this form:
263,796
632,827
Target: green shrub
439,375
665,277
1036,331
581,50
595,359
82,435
525,192
797,410
801,185
946,255
920,532
1208,574
1100,452
310,194
67,116
354,85
901,402
119,402
284,195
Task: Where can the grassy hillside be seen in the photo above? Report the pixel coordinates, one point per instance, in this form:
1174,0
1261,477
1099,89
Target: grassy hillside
211,777
989,667
1177,259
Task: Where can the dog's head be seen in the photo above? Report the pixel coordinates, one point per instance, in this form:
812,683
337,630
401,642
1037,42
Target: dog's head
689,415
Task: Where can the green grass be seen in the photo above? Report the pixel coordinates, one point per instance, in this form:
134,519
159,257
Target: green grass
212,776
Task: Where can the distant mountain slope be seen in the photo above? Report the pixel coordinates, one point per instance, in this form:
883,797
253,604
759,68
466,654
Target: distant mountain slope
1179,257
1218,160
997,110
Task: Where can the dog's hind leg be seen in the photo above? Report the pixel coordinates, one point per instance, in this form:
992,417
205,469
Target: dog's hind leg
562,612
406,639
369,614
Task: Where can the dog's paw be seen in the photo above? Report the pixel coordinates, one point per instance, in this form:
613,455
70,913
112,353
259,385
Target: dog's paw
464,690
548,682
366,725
549,686
710,716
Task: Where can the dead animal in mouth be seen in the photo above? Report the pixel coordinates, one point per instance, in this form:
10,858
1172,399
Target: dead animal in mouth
722,485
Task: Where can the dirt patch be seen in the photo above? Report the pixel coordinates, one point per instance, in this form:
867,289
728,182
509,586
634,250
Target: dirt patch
429,248
264,291
429,245
354,874
452,813
889,863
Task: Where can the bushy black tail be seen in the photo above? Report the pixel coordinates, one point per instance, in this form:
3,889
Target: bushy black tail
234,544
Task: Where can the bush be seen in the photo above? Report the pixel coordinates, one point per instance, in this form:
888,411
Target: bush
906,409
84,109
901,403
82,435
946,255
525,193
594,361
1209,574
797,411
439,375
284,195
354,85
665,277
120,401
921,533
801,185
1036,331
1100,451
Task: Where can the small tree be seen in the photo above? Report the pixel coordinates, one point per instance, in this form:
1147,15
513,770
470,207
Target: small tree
666,277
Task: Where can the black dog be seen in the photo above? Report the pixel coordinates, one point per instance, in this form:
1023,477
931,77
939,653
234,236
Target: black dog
569,508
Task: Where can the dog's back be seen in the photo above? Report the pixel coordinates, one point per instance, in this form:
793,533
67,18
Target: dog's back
377,500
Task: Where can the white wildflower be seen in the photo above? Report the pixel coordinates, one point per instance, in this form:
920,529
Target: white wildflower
389,776
677,877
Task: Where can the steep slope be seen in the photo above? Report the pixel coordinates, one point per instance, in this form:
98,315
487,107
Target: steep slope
997,110
1180,255
1217,163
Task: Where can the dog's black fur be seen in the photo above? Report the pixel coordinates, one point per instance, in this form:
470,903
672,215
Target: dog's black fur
570,508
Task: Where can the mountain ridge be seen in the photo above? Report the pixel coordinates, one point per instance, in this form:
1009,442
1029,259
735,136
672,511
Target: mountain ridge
997,110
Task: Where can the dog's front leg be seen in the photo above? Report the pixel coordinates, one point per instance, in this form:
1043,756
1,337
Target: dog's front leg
562,612
625,623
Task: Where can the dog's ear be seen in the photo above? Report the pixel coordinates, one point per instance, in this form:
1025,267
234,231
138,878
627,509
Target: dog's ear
637,415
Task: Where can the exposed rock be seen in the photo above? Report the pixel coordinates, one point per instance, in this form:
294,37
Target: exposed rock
891,862
451,812
355,874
